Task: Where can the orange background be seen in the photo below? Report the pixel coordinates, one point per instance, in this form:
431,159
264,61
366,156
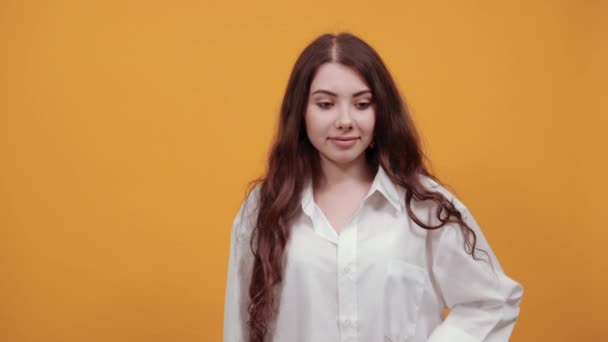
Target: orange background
129,129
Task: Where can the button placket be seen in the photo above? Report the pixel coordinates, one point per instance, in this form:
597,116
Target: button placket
347,287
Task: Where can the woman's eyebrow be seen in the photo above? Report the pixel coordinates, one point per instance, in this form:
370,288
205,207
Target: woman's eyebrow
327,92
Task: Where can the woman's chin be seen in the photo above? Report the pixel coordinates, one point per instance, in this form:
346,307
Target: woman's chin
344,157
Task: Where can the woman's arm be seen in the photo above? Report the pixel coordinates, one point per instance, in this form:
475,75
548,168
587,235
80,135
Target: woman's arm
240,264
483,300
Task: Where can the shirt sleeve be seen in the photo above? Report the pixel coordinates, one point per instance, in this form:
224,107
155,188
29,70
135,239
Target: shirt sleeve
240,264
483,300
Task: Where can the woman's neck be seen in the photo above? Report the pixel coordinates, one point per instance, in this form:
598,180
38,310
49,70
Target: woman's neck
334,175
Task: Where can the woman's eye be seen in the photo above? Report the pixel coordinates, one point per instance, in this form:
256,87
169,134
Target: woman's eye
324,105
363,105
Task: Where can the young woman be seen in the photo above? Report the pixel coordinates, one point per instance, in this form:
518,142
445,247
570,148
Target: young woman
348,237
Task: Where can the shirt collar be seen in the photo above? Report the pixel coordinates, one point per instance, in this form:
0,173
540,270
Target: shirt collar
307,198
381,183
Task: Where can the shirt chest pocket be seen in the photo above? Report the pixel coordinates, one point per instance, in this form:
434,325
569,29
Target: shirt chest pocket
403,290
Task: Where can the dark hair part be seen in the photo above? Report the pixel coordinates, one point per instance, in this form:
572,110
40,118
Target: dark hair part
293,160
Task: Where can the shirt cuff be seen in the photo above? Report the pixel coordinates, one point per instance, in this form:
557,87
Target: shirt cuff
446,333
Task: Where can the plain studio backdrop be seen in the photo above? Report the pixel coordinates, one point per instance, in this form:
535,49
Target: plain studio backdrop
129,129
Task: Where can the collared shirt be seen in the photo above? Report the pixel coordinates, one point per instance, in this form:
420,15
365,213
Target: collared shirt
382,278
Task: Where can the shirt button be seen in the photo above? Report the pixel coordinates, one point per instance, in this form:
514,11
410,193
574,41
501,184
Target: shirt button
349,273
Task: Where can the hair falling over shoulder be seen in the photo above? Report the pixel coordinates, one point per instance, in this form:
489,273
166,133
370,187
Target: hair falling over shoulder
293,160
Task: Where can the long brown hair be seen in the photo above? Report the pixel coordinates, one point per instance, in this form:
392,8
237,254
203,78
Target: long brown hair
293,160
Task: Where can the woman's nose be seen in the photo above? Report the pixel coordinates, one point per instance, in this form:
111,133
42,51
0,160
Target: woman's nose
344,120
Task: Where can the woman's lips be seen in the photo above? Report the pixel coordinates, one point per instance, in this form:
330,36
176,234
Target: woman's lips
344,142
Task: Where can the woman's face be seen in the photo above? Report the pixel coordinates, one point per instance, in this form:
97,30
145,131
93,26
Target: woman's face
340,114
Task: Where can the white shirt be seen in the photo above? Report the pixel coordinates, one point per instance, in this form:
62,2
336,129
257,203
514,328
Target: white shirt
382,278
